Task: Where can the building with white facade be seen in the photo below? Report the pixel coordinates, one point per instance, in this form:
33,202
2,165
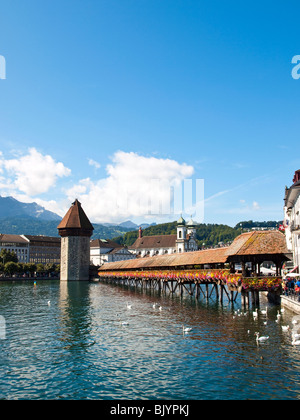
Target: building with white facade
17,244
105,250
183,241
291,220
33,249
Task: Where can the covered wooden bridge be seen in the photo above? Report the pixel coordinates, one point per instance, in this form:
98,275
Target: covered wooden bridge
195,271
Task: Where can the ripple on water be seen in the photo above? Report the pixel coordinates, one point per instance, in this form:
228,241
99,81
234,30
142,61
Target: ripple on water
76,348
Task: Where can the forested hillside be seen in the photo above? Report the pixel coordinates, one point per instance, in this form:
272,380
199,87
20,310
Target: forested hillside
206,234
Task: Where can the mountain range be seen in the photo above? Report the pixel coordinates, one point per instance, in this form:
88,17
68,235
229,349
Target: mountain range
10,207
32,219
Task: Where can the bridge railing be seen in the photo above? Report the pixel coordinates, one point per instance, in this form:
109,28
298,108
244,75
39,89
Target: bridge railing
219,276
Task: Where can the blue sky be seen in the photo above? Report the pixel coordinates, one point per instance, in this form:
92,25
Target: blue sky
103,95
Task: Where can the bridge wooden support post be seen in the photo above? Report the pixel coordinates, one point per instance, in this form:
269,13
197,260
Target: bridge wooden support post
197,291
244,298
217,291
255,298
221,292
206,291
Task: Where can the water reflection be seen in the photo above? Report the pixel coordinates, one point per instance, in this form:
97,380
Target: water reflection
75,315
77,347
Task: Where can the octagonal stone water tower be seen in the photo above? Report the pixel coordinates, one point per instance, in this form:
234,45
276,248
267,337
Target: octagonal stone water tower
75,230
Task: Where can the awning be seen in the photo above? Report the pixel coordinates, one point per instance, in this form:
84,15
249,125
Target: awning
292,275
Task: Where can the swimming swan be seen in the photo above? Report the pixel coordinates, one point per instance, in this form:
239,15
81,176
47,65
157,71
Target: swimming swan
263,338
186,329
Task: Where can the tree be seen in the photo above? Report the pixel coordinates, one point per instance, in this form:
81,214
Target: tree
49,268
30,268
6,256
40,268
11,268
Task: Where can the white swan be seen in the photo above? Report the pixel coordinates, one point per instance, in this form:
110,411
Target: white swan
285,327
264,311
49,302
295,336
296,342
129,306
263,338
186,329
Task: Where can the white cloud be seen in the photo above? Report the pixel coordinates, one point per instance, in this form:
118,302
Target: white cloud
255,205
92,162
31,174
135,186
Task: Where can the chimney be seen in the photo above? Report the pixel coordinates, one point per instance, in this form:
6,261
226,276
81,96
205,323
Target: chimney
140,232
296,176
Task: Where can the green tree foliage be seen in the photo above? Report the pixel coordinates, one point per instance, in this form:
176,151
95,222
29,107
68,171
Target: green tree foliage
207,235
11,268
29,268
6,256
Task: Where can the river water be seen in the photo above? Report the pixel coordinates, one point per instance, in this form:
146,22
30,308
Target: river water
76,347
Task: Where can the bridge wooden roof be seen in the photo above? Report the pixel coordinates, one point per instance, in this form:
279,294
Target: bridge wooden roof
208,256
268,242
247,244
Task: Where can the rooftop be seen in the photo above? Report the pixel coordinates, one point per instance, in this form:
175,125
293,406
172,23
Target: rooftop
76,219
104,243
8,238
247,244
259,243
155,241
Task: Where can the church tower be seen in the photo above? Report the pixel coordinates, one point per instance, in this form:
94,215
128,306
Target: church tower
191,233
75,230
181,235
191,228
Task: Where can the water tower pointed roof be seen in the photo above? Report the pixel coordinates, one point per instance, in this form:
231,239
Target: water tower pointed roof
75,222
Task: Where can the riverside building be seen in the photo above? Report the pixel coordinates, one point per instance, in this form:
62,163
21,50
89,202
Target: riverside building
18,244
291,221
105,250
